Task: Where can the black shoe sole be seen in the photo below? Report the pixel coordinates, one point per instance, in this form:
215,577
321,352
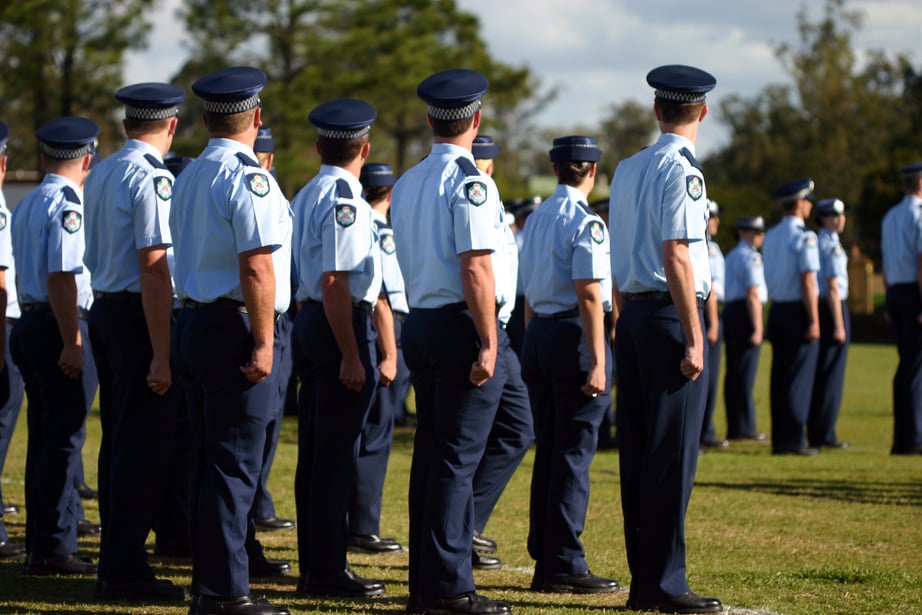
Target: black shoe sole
327,592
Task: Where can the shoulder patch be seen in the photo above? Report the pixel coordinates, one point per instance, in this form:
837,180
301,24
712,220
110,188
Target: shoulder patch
343,189
388,243
259,183
71,221
345,215
2,220
756,259
691,158
246,160
154,162
810,240
163,186
470,169
597,232
694,186
70,194
476,193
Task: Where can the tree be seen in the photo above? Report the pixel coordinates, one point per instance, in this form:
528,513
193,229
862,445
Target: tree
64,57
628,128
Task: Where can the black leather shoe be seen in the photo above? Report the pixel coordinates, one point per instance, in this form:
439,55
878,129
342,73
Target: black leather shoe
87,493
482,561
914,450
688,602
58,564
10,509
344,584
11,549
241,605
715,444
154,590
88,528
586,583
466,604
270,524
807,451
482,544
261,567
372,543
758,437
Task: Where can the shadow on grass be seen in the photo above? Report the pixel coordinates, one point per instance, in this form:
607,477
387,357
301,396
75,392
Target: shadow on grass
855,492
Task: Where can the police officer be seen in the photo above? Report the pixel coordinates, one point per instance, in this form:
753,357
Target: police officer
658,212
128,198
565,355
513,427
742,324
264,506
454,214
901,244
231,286
10,379
791,263
46,343
520,209
342,307
377,181
835,327
713,329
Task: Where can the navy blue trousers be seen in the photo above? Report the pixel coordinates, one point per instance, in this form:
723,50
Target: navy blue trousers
56,413
228,418
829,381
137,426
742,365
904,305
9,411
793,369
660,420
454,419
510,437
715,351
554,367
329,425
375,449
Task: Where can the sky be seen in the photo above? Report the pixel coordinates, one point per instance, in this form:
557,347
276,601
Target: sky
598,52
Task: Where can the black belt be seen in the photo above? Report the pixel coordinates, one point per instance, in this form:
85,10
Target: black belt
657,296
44,306
221,303
564,314
460,306
123,295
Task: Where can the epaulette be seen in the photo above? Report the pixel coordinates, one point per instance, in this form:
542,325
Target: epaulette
154,162
342,189
470,169
691,158
247,160
70,194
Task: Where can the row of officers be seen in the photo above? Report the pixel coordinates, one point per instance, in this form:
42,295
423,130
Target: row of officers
194,281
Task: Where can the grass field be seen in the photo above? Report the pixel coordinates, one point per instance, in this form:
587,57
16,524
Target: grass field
840,533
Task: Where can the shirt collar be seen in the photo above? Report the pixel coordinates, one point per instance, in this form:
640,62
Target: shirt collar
679,140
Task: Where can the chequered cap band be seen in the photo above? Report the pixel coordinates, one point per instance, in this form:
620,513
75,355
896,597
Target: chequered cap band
681,97
345,135
146,113
59,153
377,172
458,113
576,145
230,108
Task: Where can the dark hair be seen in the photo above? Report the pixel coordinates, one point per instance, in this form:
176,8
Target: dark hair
376,193
451,128
235,123
338,152
571,172
676,113
911,184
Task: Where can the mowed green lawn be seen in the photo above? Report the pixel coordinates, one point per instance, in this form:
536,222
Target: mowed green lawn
839,533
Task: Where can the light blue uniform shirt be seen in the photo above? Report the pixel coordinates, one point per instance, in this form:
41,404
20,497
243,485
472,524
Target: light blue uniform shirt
901,241
6,259
225,204
334,232
718,269
48,238
789,251
506,273
127,198
743,271
658,195
448,207
833,263
390,268
564,241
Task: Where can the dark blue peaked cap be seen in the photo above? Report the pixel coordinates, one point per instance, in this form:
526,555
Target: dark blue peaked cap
343,118
151,101
453,94
4,137
912,170
576,148
264,141
484,148
376,175
793,190
830,207
751,223
65,138
230,90
680,83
